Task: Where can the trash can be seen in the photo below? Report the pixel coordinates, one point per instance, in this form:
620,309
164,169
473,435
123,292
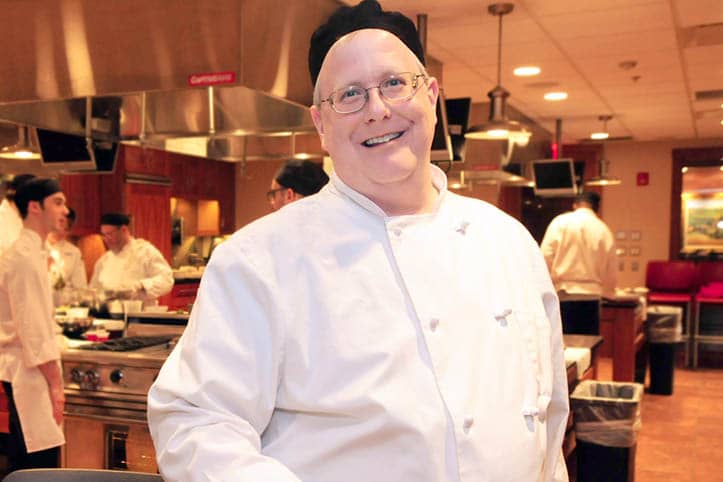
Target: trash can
664,333
607,422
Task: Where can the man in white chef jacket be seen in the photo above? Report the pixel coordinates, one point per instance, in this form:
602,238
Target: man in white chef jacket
130,264
29,355
381,330
10,221
294,180
579,250
67,269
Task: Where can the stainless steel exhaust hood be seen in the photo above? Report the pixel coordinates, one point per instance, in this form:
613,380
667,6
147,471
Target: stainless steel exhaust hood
123,71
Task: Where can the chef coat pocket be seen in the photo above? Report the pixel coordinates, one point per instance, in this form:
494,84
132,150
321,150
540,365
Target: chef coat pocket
535,331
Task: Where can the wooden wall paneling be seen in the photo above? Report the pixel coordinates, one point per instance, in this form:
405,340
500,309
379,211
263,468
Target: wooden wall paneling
82,193
144,161
149,206
226,188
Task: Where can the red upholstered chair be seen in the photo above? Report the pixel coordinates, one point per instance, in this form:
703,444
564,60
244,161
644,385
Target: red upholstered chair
4,415
708,313
673,283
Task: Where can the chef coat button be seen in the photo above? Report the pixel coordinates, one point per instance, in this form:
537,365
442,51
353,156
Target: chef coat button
397,232
467,423
433,323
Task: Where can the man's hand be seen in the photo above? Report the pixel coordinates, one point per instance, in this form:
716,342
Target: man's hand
57,401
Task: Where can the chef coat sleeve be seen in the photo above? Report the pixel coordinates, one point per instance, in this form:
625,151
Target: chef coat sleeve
31,313
217,391
158,274
94,279
78,278
550,242
609,266
558,409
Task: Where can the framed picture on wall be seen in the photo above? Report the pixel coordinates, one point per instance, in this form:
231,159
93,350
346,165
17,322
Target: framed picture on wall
702,223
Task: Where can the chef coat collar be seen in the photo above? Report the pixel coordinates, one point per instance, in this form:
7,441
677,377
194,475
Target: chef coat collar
33,237
439,181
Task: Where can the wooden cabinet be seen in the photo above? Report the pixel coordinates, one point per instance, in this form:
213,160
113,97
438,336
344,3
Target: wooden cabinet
149,207
82,193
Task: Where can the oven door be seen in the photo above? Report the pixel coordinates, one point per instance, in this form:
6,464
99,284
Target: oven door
106,442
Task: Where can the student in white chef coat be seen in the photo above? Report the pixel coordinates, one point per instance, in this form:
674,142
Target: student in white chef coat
384,329
67,269
130,264
29,355
10,221
579,250
295,180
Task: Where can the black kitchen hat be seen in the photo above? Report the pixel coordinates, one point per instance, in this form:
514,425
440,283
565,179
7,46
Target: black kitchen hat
16,182
35,189
303,177
115,219
366,14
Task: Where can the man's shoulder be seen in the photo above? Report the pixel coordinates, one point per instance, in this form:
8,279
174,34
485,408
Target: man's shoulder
481,211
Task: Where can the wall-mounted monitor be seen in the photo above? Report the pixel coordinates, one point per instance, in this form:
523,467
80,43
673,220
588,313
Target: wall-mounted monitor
441,143
76,154
458,121
554,177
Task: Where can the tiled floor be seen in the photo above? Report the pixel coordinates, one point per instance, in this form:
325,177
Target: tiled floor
681,439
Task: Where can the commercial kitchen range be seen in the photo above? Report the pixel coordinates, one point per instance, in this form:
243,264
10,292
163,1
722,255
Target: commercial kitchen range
106,393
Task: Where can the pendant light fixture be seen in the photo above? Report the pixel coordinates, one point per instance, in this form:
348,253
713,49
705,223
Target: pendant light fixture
499,126
603,179
604,134
21,150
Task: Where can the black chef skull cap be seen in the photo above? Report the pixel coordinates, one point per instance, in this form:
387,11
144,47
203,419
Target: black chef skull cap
35,189
13,185
302,176
115,219
366,14
589,197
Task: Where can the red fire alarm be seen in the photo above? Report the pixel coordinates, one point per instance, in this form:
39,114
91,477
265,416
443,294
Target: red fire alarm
643,178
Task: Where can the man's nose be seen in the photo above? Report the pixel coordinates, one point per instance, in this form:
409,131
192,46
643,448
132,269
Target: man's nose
377,107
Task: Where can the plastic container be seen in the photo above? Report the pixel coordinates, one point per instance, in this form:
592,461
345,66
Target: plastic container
607,422
664,324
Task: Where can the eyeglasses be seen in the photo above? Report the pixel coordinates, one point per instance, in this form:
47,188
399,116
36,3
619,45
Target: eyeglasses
271,193
395,88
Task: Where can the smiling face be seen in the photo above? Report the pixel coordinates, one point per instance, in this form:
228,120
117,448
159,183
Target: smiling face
383,149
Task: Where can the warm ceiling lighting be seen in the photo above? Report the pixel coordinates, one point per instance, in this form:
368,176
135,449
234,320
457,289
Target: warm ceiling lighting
529,71
603,179
21,150
556,96
604,134
684,169
499,126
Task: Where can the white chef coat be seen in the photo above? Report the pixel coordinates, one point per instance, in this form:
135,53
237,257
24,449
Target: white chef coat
138,264
330,342
10,224
67,261
579,250
27,337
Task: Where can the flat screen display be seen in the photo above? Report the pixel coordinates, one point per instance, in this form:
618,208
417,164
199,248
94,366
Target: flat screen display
458,121
441,143
554,177
71,153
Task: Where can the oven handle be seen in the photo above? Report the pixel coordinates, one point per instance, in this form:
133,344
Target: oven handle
106,418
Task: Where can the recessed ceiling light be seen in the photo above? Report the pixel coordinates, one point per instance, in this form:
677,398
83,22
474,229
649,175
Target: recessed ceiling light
721,122
556,96
526,71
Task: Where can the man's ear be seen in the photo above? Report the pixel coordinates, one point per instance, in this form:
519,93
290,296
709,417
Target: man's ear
35,207
318,123
432,94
